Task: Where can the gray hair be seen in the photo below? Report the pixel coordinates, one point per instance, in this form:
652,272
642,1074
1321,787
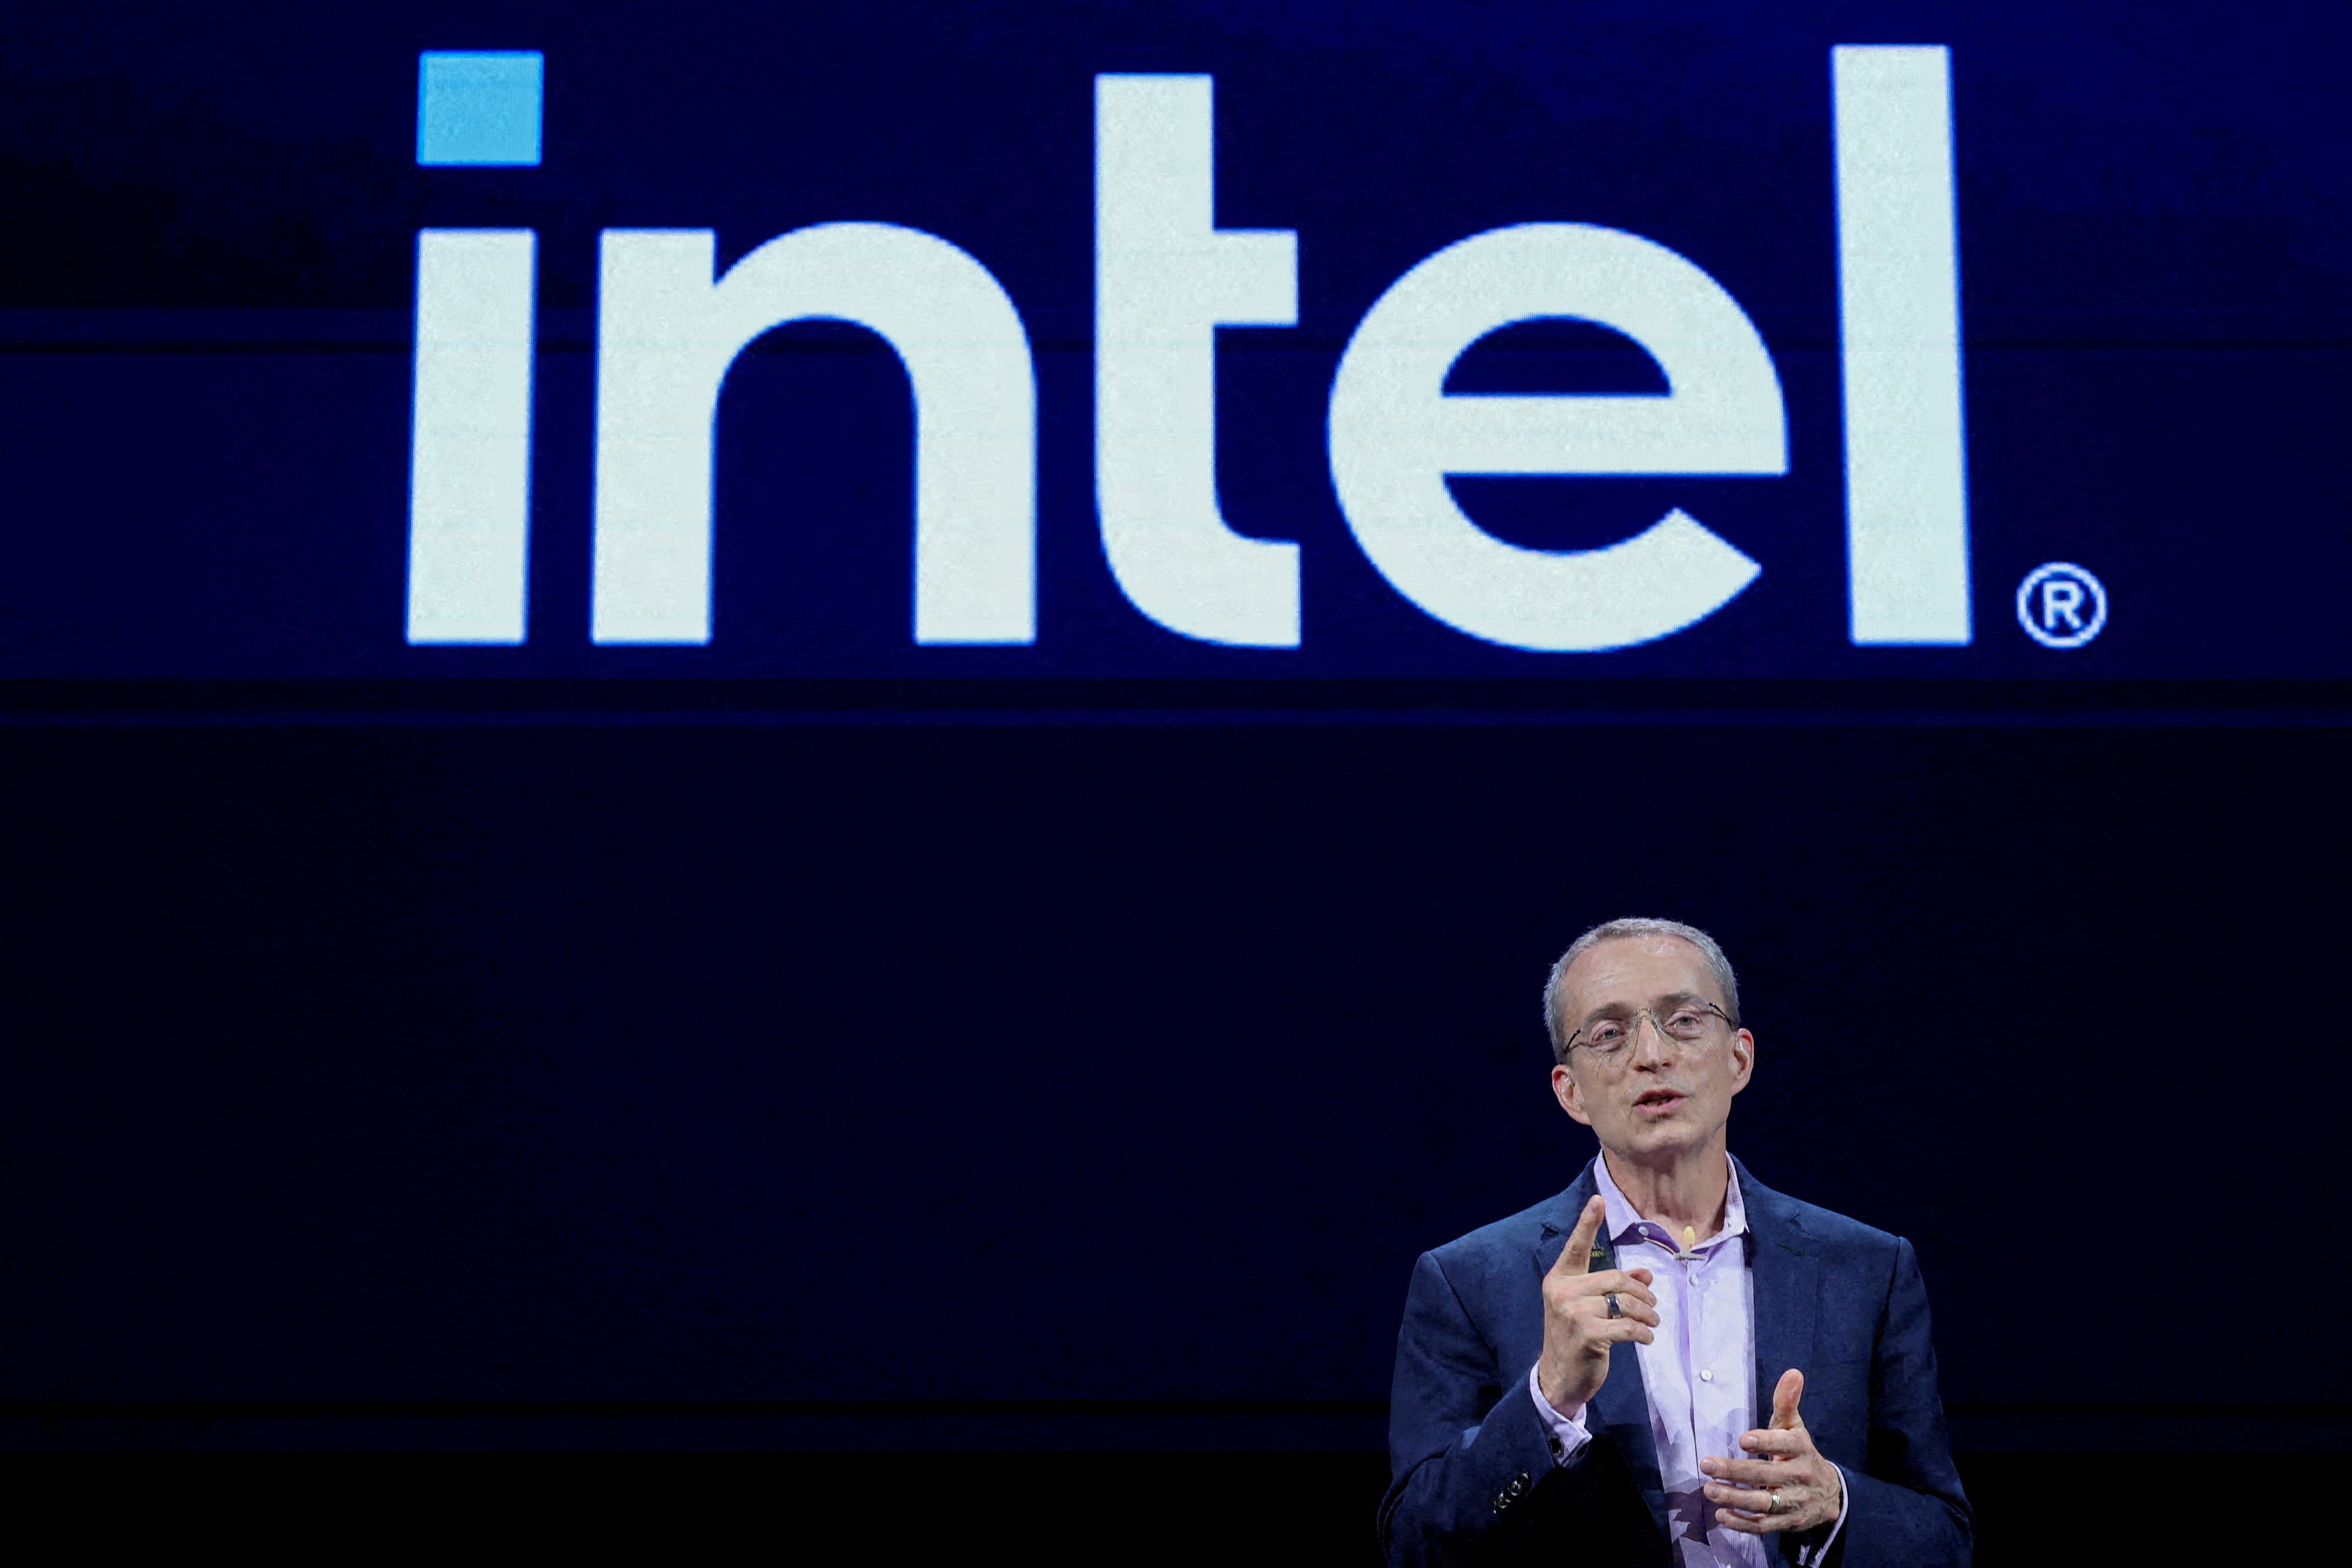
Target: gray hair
1555,994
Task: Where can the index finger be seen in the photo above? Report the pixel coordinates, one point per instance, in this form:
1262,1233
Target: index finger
1577,1256
1773,1441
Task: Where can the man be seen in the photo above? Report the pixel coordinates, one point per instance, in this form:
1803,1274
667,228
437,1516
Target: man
1669,1363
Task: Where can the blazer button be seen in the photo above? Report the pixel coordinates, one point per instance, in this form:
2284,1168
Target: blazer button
1511,1494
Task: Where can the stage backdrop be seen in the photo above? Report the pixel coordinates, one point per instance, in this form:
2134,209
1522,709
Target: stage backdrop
866,724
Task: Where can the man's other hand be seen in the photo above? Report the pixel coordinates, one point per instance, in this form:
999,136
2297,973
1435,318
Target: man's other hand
1578,1327
1788,1469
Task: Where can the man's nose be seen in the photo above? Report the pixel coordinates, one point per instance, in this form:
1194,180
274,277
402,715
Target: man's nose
1650,1048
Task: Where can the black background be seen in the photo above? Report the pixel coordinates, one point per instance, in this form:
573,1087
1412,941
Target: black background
1068,1089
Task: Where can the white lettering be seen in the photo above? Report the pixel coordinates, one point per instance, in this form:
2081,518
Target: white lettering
666,335
1395,434
2061,600
469,450
1165,278
1899,328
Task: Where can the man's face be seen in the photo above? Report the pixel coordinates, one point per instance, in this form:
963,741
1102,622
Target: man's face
1658,1097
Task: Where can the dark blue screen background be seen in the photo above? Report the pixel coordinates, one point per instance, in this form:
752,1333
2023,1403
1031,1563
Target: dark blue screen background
208,292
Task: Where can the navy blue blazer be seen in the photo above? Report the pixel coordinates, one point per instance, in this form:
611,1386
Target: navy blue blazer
1472,1478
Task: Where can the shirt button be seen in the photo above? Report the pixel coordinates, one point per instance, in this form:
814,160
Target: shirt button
1707,1374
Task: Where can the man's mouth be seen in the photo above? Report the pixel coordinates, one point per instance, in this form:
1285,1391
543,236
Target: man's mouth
1658,1101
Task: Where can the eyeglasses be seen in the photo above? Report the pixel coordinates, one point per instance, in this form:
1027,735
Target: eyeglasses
1686,1023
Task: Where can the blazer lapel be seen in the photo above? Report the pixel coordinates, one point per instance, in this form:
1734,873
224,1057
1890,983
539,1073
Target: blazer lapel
1621,1411
1788,1290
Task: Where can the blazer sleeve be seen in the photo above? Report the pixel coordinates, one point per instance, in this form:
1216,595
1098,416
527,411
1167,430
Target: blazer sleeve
1907,1508
1470,1463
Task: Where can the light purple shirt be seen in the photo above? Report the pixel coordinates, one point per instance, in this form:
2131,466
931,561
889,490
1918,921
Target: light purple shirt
1699,1374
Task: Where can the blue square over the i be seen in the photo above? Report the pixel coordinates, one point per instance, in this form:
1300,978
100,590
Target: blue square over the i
479,108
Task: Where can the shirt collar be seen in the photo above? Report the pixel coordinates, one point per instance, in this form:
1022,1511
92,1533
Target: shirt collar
1624,1224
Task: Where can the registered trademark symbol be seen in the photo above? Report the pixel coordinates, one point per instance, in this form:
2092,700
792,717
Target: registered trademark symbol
2061,605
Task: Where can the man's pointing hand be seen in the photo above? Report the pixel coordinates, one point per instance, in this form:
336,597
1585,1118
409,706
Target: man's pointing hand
1578,1327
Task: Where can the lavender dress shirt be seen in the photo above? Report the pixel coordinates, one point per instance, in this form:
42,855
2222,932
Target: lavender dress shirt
1697,1375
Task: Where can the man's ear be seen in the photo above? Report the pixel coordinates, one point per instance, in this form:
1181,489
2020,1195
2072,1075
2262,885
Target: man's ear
1743,1058
1564,1089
